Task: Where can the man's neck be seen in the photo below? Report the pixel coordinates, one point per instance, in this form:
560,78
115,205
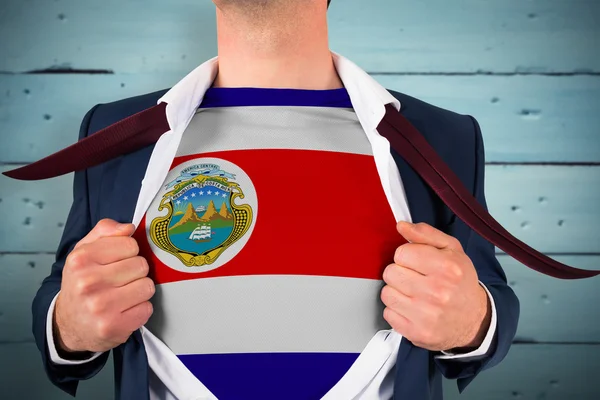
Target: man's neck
280,48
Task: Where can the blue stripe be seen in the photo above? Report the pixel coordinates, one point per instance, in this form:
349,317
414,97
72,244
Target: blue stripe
250,96
269,376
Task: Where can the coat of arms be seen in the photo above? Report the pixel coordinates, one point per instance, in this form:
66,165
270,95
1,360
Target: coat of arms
205,212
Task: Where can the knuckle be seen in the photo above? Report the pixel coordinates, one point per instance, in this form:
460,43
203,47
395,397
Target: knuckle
421,226
104,223
455,242
387,315
389,297
388,273
95,305
453,269
147,287
457,272
143,266
150,309
442,296
391,319
131,244
447,263
151,287
385,295
83,285
450,266
399,254
147,311
142,314
104,329
77,258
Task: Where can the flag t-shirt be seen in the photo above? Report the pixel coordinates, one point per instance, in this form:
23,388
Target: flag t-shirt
267,243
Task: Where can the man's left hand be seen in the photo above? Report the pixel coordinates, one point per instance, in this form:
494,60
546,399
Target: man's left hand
433,296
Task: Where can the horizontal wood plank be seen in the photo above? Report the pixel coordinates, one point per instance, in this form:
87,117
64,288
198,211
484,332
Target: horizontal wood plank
469,56
523,119
34,213
530,372
20,278
537,372
384,36
555,310
552,310
22,377
552,208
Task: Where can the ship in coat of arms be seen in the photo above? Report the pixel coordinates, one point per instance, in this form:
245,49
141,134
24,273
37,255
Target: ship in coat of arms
203,215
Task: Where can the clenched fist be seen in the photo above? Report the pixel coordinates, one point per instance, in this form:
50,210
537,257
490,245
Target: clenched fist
105,291
433,295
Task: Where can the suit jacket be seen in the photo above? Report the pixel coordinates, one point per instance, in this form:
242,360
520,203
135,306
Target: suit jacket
106,191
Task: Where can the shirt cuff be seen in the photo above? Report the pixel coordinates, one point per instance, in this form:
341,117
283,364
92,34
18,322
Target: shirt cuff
54,357
487,341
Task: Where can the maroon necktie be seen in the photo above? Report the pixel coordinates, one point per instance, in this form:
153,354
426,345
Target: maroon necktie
144,129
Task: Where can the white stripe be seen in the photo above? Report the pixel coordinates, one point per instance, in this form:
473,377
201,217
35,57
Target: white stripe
274,127
268,313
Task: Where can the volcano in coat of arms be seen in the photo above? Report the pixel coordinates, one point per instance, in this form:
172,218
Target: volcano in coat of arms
205,209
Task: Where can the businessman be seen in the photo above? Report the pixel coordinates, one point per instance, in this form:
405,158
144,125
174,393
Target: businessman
271,245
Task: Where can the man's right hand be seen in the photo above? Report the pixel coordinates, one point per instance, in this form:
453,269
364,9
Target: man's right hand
104,292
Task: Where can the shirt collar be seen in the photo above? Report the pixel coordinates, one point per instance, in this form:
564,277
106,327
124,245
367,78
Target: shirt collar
368,100
368,97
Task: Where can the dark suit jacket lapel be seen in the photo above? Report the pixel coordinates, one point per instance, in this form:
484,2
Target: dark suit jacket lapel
413,382
116,188
120,183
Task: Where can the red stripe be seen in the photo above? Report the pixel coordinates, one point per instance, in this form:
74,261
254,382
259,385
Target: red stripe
319,213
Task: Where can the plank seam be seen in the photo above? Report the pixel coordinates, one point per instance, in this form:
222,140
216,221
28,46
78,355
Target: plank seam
552,254
57,70
547,163
24,341
27,253
554,343
489,73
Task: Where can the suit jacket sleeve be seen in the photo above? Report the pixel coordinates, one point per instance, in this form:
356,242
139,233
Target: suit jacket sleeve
78,224
490,273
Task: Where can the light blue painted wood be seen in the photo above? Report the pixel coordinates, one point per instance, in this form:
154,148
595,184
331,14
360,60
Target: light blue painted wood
20,277
35,213
40,114
533,118
22,377
537,372
523,119
556,310
556,208
552,208
552,310
530,372
385,35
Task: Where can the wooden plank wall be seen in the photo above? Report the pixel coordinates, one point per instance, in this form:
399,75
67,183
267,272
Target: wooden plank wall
529,71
